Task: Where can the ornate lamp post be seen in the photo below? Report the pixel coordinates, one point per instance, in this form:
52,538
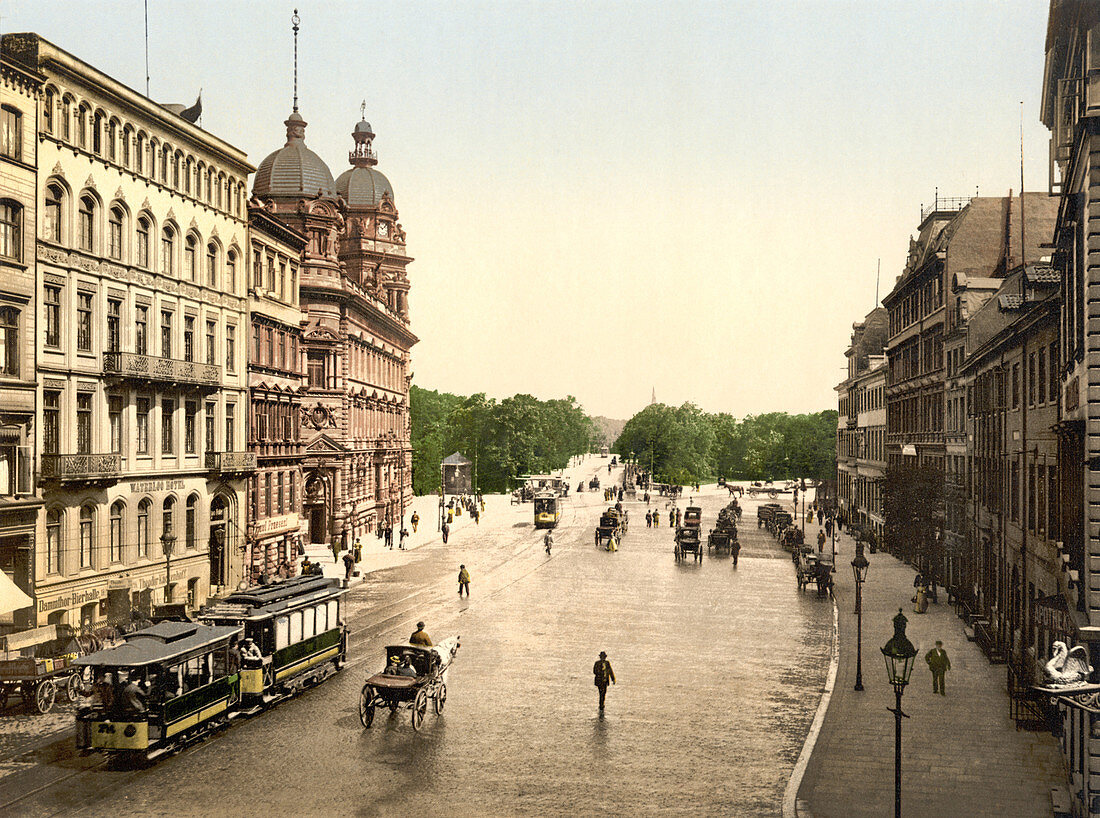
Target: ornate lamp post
899,654
167,540
859,571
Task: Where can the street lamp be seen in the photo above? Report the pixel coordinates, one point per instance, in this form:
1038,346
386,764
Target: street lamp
899,654
167,540
859,571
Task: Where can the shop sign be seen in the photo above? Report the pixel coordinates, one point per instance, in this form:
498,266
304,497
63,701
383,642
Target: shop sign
274,525
146,486
157,580
71,600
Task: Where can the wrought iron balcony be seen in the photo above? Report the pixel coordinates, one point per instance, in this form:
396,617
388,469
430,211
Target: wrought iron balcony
132,366
230,462
82,468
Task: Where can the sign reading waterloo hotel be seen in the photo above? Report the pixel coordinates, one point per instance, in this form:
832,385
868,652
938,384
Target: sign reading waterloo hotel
149,486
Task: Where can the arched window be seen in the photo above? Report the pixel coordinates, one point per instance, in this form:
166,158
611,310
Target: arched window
168,518
66,117
199,173
115,552
139,153
112,140
167,250
212,265
143,239
127,135
211,183
51,218
53,541
165,152
87,535
82,114
218,198
11,230
176,171
144,507
189,523
114,233
47,112
97,133
11,132
86,219
188,170
190,262
231,272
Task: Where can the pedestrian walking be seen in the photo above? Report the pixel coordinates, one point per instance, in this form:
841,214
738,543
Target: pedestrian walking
388,534
349,565
820,541
671,518
939,664
679,517
829,527
404,535
358,549
446,529
463,580
603,674
648,520
415,520
820,516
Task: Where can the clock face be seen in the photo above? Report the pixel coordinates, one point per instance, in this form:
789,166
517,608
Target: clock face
383,229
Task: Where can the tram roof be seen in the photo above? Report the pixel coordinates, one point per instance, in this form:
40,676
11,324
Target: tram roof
263,601
160,643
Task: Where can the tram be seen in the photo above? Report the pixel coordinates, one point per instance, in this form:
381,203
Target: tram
170,684
547,510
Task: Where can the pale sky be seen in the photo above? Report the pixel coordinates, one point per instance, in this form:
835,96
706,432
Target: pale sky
605,198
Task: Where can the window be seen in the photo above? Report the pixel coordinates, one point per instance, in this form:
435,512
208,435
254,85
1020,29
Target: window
231,272
1014,489
9,341
53,541
1015,386
165,334
114,328
282,350
141,329
280,495
189,521
209,418
84,423
271,274
188,338
115,546
211,342
87,518
66,118
11,133
143,242
47,112
176,171
1052,362
1042,374
308,623
282,632
144,507
257,270
126,147
114,234
114,422
112,140
1031,379
211,265
51,216
315,366
230,348
97,133
86,219
167,424
168,514
11,231
82,126
164,155
267,494
167,251
190,410
189,262
84,322
230,438
187,172
142,430
51,422
1031,497
282,280
295,627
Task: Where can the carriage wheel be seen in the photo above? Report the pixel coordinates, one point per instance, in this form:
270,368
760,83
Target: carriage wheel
72,687
440,698
419,708
45,692
366,705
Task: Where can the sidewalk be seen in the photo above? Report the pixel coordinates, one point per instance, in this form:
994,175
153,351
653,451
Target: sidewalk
961,753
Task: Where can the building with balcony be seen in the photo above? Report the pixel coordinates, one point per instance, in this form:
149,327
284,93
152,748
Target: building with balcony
141,319
19,500
353,292
275,384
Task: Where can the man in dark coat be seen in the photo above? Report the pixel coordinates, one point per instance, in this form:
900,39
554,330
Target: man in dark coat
603,674
939,664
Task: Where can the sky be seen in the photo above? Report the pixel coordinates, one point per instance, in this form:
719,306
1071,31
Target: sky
606,199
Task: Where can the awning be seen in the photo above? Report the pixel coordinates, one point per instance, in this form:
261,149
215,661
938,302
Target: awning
12,597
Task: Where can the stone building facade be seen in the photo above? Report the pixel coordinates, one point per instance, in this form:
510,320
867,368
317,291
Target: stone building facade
19,500
141,320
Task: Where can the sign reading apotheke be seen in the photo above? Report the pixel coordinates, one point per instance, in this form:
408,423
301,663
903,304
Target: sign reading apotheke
145,486
274,525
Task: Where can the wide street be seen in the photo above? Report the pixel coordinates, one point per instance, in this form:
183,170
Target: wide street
719,669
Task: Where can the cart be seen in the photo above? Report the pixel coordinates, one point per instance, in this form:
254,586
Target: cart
611,529
39,668
393,690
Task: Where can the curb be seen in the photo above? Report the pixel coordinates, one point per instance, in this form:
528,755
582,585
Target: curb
792,807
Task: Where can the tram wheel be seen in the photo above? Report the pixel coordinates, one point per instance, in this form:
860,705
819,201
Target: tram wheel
419,708
440,698
44,695
366,705
72,687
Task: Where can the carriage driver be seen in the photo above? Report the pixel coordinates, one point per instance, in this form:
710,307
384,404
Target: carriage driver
419,637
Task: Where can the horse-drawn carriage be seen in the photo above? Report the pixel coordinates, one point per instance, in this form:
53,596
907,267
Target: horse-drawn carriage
689,535
37,665
723,537
594,483
611,529
413,675
810,567
765,513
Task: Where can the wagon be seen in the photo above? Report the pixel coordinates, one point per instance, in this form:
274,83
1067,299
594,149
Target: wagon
40,669
391,689
611,529
688,535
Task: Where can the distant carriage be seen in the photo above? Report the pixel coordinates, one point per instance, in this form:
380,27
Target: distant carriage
611,529
723,537
689,536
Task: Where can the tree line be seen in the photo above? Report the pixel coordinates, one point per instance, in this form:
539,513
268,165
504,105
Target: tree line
685,444
508,438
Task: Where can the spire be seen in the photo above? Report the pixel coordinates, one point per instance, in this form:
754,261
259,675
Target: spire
653,397
294,20
363,155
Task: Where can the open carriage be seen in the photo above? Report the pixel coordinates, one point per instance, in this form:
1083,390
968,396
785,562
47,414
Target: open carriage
413,675
37,666
810,567
689,535
723,537
611,529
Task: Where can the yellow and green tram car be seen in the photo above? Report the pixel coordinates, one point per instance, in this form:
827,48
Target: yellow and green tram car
162,687
547,510
298,626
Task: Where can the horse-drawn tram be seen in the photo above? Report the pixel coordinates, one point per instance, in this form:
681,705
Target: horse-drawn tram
547,509
298,627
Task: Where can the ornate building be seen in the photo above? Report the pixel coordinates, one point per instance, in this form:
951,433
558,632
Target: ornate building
353,292
140,329
19,505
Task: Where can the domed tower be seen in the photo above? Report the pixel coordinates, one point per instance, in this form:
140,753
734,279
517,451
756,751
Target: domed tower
373,245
